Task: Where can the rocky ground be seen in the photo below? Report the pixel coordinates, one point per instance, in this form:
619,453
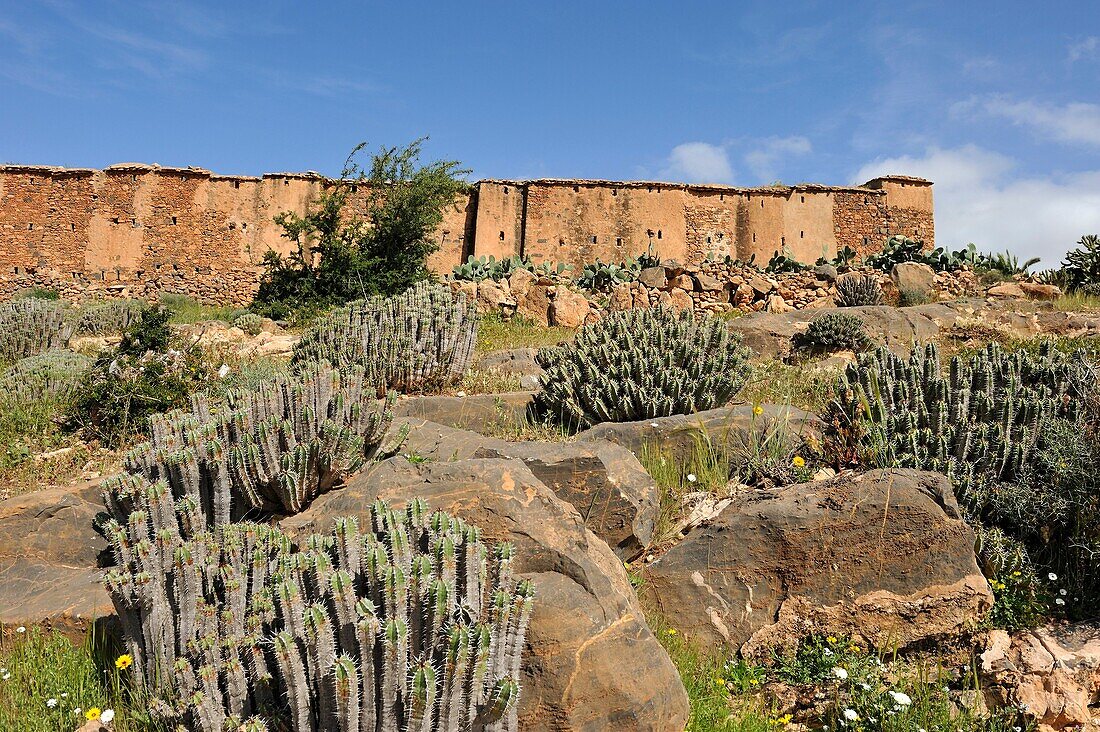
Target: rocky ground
627,570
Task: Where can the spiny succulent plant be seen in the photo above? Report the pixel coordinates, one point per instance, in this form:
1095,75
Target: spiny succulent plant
405,622
271,449
51,374
107,318
31,326
421,339
855,290
250,323
977,422
834,331
640,364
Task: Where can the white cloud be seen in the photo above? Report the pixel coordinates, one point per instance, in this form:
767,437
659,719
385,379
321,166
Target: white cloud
1084,49
763,159
698,162
1077,122
979,199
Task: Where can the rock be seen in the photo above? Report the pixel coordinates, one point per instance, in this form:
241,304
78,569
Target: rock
568,308
520,281
93,725
680,300
493,297
884,557
680,433
1053,672
913,277
534,305
621,297
776,304
603,481
760,285
467,288
479,412
1037,291
591,663
682,282
826,272
513,362
653,277
48,557
1006,289
707,283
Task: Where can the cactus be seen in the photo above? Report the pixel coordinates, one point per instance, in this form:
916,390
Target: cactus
834,331
978,422
273,448
49,375
108,318
422,339
855,290
30,326
640,364
250,323
407,622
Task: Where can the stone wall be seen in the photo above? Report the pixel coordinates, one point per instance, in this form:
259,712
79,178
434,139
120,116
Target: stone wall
138,230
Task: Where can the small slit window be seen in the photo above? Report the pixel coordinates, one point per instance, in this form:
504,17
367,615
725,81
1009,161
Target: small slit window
174,221
754,236
801,234
803,199
72,227
658,233
30,227
236,184
506,190
502,236
594,239
618,241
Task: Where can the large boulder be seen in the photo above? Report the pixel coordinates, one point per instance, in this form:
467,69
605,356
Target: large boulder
1050,673
48,557
477,412
519,362
568,308
591,662
884,557
913,277
617,498
722,427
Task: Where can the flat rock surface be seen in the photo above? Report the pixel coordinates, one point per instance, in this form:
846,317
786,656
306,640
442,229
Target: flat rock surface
591,661
477,412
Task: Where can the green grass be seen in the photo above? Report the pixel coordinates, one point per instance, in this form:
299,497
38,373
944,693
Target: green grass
487,381
186,310
705,468
497,334
1077,301
41,665
802,386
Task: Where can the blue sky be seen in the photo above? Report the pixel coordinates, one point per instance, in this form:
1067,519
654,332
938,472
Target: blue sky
998,103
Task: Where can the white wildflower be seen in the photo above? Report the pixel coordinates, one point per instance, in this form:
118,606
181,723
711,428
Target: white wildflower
901,698
692,478
51,703
1063,593
1059,601
106,716
223,371
460,393
1052,577
828,652
64,695
5,676
21,629
840,673
78,710
850,715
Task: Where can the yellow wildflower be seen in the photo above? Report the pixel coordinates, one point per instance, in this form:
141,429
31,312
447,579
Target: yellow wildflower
124,661
797,461
719,681
671,631
92,713
758,410
831,639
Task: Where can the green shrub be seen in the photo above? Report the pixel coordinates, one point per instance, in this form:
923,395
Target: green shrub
52,375
913,296
406,622
31,326
143,376
107,318
855,290
341,256
835,331
420,340
39,293
640,364
250,323
1081,267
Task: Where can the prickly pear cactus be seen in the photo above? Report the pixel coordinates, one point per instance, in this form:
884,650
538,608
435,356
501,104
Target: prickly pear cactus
30,326
422,339
272,449
856,290
49,375
640,364
403,622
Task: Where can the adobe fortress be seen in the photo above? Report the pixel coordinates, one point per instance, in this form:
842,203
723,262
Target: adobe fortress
137,230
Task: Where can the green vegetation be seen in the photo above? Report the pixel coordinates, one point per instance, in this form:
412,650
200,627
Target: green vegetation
775,382
478,269
496,334
855,290
31,326
370,233
640,364
250,323
834,331
184,310
420,340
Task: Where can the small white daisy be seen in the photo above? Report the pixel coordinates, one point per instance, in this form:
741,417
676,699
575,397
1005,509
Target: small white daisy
21,629
106,716
901,698
840,673
51,703
850,715
1052,577
692,478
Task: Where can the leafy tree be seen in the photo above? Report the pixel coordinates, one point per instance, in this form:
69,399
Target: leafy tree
343,254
